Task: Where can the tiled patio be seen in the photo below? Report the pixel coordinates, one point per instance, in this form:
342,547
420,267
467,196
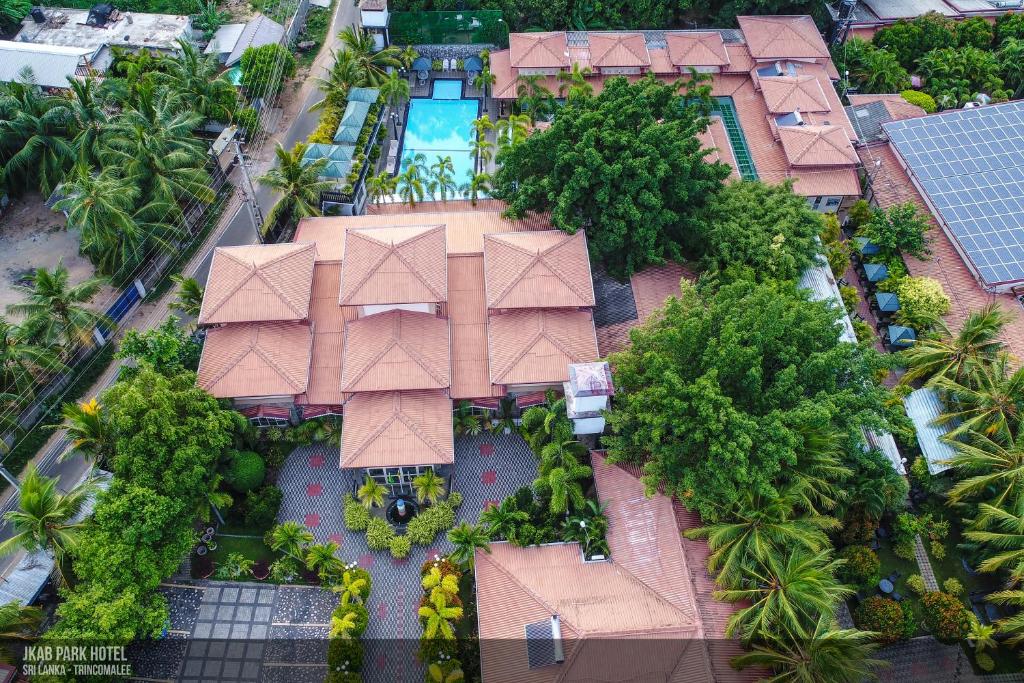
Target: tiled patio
488,468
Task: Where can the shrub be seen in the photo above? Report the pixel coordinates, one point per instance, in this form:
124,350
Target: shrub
444,564
262,505
985,661
362,617
945,616
245,471
861,568
400,547
915,582
883,616
859,213
858,527
356,516
436,649
937,549
379,534
838,256
343,677
264,68
345,654
904,549
455,499
422,529
925,479
921,99
901,227
952,586
863,331
922,302
850,298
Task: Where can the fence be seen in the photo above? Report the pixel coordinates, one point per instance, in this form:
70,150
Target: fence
465,27
298,21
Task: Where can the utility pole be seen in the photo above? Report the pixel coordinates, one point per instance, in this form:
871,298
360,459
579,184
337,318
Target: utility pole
249,193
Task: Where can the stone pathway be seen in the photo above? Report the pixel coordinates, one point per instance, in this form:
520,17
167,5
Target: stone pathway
488,468
925,565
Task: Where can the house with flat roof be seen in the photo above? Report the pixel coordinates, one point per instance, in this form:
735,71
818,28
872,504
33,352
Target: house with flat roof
777,114
388,318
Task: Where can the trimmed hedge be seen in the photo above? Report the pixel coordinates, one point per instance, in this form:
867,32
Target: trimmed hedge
945,617
885,617
357,518
400,547
436,519
379,534
245,471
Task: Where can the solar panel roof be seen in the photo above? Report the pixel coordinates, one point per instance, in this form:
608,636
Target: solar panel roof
970,164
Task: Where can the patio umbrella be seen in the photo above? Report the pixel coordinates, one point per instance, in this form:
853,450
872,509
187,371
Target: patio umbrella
866,247
887,302
473,64
876,272
901,336
421,64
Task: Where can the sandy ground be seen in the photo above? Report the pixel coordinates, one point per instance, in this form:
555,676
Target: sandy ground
32,236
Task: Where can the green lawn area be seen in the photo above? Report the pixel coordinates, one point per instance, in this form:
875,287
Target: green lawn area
890,563
253,548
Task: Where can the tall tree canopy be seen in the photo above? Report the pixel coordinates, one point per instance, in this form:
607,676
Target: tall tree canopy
729,389
625,165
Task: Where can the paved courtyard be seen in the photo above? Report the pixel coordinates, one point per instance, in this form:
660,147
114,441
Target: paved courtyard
488,468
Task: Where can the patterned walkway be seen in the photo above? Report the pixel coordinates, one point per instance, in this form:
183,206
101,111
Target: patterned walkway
488,468
925,565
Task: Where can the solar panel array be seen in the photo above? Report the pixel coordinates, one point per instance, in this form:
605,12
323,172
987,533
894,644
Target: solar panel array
540,644
970,163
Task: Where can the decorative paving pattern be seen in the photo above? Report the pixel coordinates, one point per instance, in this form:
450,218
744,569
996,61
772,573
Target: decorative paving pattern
925,565
488,468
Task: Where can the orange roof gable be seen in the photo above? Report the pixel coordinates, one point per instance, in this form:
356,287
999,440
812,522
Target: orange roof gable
618,49
549,269
782,37
396,428
256,359
538,50
785,94
531,346
697,49
395,266
258,283
396,350
817,146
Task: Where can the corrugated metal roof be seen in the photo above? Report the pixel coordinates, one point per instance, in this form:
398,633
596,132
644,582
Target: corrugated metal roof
822,285
225,39
257,33
923,407
51,65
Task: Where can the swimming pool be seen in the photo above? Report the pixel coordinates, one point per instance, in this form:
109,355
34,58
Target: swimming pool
442,126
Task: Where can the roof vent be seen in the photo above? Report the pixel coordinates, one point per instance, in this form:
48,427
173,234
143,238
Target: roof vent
99,15
38,15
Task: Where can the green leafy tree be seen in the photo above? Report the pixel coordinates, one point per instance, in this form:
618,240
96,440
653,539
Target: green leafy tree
974,32
411,184
1011,64
954,76
625,165
17,622
533,98
922,301
90,120
923,100
55,312
573,84
900,228
478,185
945,616
209,18
322,559
394,90
13,11
381,186
909,40
871,69
168,348
264,69
299,184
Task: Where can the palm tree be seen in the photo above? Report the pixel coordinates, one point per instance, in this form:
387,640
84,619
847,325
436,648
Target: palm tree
442,178
21,361
214,498
786,597
819,470
573,84
480,146
546,423
394,90
410,185
485,80
45,518
17,622
40,128
320,558
343,626
381,186
346,73
467,539
479,184
955,356
562,482
371,493
981,636
352,587
436,580
195,77
760,528
364,51
504,519
988,403
437,616
90,121
513,130
533,98
87,428
999,534
1012,626
992,469
428,486
54,312
300,185
290,538
829,654
408,56
189,301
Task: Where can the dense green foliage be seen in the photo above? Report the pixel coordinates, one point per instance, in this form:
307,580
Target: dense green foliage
265,68
872,69
624,165
168,348
945,616
861,568
245,470
886,618
922,302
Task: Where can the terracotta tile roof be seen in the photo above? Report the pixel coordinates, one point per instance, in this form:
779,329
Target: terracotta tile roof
660,62
549,269
395,266
531,346
256,359
784,94
697,49
612,338
817,146
740,60
716,139
654,284
258,283
328,320
395,428
467,320
897,107
396,350
781,37
618,49
538,50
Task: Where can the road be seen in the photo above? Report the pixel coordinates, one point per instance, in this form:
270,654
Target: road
236,228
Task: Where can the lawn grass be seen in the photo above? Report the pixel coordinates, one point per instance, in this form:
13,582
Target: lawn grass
890,562
251,547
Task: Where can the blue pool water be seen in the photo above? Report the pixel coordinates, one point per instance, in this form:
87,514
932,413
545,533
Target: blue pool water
442,126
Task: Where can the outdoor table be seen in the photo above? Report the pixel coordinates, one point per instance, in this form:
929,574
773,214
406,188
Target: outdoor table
901,336
866,247
885,585
887,302
875,272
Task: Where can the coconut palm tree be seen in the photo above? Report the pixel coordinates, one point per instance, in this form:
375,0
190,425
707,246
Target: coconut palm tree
819,470
573,85
828,654
786,597
504,519
437,617
999,535
189,301
1012,626
345,74
21,361
290,538
988,469
90,120
394,90
757,529
364,51
533,98
195,77
989,402
381,186
546,423
40,128
467,539
371,493
214,498
54,312
479,185
442,178
87,428
410,185
563,483
485,80
320,558
17,622
955,356
300,186
480,146
46,518
428,487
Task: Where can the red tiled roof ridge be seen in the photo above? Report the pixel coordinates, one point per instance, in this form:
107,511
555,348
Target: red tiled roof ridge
396,340
795,83
692,41
392,248
254,347
817,133
542,333
619,39
399,415
539,40
538,257
786,23
257,271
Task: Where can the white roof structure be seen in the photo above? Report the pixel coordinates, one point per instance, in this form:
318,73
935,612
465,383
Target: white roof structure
225,39
257,33
924,407
68,27
51,65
